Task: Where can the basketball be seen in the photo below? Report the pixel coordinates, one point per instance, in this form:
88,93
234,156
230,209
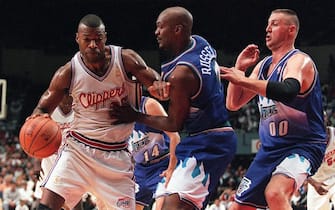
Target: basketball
40,136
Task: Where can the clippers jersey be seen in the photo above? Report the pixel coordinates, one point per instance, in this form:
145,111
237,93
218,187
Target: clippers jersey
93,95
327,168
284,125
208,104
147,143
63,120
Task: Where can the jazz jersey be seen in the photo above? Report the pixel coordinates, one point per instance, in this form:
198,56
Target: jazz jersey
63,120
208,104
146,143
283,125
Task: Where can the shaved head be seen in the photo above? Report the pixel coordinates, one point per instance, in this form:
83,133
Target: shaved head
92,21
179,16
292,16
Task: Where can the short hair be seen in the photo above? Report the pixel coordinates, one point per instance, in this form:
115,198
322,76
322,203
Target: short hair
294,17
91,20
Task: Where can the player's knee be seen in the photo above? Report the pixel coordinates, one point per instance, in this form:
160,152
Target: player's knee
272,195
43,207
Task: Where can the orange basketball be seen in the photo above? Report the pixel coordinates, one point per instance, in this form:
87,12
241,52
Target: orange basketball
40,136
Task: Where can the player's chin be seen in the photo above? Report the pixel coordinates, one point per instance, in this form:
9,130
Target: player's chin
160,44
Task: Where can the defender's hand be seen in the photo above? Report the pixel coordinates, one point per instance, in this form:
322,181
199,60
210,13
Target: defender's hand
160,90
123,113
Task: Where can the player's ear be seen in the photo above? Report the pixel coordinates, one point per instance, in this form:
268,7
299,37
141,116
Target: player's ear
178,28
105,36
292,28
77,38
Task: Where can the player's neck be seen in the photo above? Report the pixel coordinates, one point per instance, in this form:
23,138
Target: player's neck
186,44
98,68
278,54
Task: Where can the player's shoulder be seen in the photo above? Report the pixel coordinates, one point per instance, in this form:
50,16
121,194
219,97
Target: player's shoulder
64,70
131,57
301,55
128,53
63,74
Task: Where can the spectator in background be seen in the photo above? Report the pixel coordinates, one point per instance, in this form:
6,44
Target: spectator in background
22,205
11,197
217,205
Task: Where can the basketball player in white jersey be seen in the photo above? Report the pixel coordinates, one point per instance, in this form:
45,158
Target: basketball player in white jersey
95,158
63,115
321,186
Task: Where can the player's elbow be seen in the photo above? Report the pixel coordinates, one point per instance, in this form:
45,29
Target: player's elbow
284,91
232,107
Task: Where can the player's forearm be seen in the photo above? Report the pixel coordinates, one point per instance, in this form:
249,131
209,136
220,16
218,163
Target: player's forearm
174,141
150,77
254,85
173,162
237,96
158,122
311,181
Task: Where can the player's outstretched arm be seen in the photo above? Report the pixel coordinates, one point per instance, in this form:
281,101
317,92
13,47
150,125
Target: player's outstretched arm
154,108
58,87
146,75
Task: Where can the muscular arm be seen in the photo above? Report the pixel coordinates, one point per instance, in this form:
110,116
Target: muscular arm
179,103
135,65
237,94
183,84
58,87
241,89
154,108
300,67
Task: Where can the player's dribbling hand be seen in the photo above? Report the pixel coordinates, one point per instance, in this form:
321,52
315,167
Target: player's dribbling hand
122,113
46,115
160,90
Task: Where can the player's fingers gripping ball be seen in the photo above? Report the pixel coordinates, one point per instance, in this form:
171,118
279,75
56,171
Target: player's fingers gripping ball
40,136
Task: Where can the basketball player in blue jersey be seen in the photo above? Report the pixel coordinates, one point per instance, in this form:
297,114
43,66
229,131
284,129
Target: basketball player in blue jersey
291,128
95,159
154,154
197,105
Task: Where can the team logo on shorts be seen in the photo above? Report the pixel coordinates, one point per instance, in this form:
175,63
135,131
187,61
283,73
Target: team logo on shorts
123,202
244,185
